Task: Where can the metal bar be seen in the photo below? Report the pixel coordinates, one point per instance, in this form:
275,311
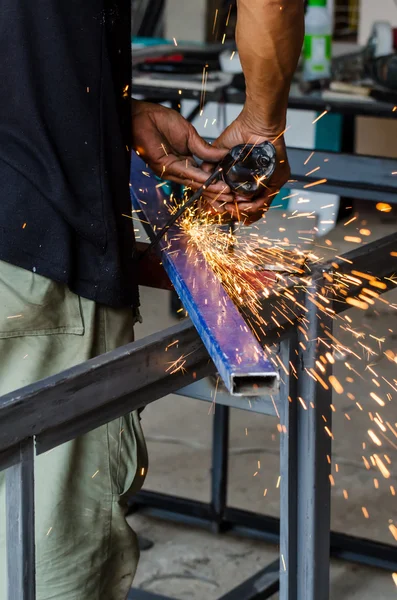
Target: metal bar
219,470
218,321
314,416
21,566
353,176
205,390
260,586
288,470
195,111
261,527
82,398
375,257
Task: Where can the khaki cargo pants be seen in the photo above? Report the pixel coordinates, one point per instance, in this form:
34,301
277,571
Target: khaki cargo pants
85,550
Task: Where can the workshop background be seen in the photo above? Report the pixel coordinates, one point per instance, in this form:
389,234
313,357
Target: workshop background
188,563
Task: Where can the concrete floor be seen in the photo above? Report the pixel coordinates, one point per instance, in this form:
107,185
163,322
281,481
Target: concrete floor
190,564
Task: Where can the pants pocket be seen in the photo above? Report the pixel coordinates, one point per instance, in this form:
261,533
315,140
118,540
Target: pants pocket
129,465
34,305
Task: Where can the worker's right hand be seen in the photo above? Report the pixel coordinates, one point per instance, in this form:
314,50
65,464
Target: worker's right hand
168,143
245,130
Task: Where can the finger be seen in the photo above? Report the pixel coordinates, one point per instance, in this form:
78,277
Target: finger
244,210
184,170
218,208
223,198
203,149
207,167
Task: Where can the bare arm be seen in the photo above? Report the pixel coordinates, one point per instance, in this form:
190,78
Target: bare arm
269,38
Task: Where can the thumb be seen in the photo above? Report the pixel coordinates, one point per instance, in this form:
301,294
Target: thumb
203,149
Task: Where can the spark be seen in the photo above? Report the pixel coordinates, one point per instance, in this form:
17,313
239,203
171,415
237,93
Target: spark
377,399
320,117
393,531
335,384
319,182
383,207
374,437
382,467
172,344
350,221
353,239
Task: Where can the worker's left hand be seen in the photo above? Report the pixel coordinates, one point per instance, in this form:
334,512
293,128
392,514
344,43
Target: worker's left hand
168,143
244,131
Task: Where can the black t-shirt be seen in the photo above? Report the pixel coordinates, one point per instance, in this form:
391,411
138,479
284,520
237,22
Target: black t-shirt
65,73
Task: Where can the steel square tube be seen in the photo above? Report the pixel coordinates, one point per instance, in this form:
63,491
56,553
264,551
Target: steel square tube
63,406
236,353
21,567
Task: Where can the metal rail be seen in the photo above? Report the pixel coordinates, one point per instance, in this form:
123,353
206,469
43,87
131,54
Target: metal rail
74,402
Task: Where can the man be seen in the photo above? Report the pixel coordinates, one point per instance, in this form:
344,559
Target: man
68,285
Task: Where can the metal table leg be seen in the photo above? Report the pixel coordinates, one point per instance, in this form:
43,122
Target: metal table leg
219,471
21,565
314,446
288,471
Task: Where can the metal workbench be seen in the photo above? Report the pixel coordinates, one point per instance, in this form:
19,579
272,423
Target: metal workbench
305,488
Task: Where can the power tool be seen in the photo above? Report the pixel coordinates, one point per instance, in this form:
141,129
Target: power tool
245,169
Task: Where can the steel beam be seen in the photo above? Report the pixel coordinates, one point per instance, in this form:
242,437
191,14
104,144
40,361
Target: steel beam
21,583
350,175
80,399
313,457
210,389
236,353
288,471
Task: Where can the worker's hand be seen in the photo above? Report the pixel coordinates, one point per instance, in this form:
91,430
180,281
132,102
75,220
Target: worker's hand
168,143
244,131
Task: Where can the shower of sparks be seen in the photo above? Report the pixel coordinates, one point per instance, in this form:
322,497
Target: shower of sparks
245,263
254,268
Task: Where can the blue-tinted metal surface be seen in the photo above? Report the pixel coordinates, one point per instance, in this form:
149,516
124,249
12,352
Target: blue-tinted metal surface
237,355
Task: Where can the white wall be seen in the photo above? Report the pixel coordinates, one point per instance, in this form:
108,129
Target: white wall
185,20
376,136
375,10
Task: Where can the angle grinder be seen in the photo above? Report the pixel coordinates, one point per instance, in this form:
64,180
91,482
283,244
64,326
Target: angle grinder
245,169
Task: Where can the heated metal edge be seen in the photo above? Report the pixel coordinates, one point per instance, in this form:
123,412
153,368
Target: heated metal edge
237,355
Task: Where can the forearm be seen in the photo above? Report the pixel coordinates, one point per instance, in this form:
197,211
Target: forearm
269,37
